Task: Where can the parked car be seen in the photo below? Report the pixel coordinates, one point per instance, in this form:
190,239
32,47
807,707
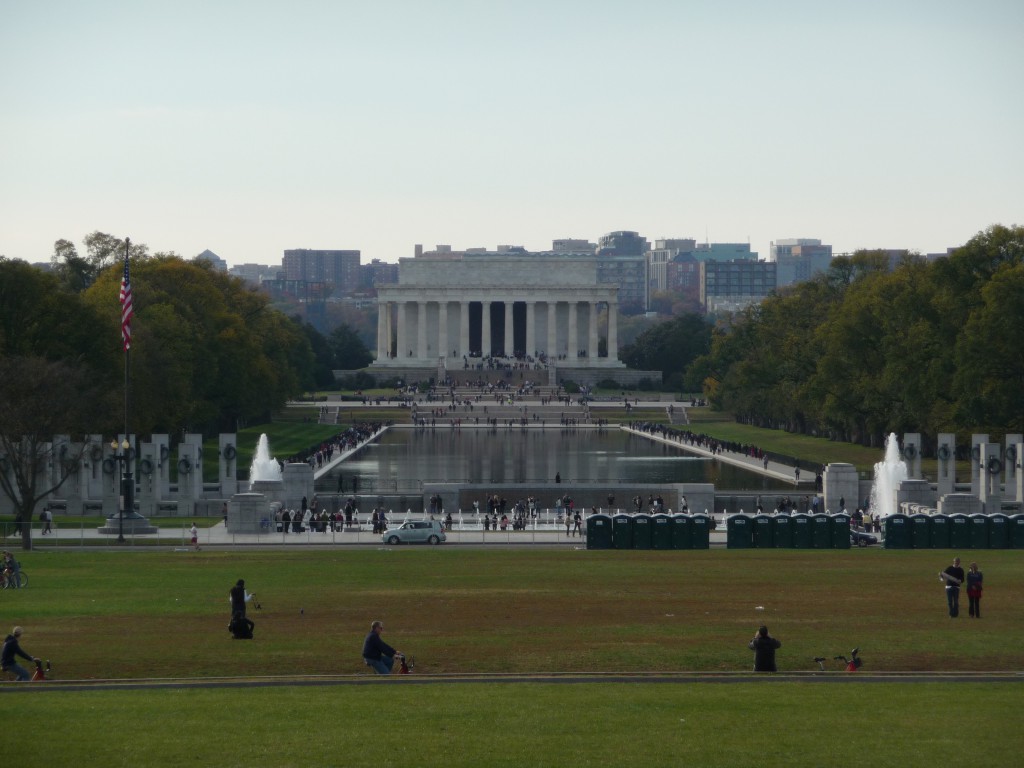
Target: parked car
416,532
861,538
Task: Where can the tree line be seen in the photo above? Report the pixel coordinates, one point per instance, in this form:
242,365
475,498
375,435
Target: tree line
863,350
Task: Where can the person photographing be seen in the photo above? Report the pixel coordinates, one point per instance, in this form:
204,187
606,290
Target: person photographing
764,646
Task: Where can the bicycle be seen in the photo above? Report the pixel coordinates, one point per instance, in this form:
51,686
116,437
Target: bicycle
9,580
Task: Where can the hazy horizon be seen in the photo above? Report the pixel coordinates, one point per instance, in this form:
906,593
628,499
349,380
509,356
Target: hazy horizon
252,128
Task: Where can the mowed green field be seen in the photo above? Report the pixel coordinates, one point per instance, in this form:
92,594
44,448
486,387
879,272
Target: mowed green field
159,614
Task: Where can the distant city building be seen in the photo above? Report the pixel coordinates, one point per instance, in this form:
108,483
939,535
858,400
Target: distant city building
337,269
378,272
664,252
571,245
255,273
799,259
733,285
214,259
622,243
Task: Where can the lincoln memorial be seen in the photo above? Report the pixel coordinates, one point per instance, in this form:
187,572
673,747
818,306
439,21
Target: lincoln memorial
449,311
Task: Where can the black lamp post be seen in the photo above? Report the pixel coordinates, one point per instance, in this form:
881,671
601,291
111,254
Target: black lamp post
123,460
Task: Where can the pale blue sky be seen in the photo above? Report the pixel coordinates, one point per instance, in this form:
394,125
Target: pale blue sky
252,127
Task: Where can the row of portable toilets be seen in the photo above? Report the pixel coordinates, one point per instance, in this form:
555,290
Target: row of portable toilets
680,531
921,531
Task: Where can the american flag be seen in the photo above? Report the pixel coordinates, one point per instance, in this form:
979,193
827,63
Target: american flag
126,305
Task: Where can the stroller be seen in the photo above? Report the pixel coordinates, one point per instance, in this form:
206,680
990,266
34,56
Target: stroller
241,627
850,665
407,664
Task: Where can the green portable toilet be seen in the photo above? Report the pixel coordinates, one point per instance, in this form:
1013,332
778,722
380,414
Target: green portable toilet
998,531
763,530
979,531
642,531
1017,531
661,531
700,531
622,531
681,538
782,531
599,532
802,536
739,532
896,531
959,531
840,531
821,531
939,530
920,531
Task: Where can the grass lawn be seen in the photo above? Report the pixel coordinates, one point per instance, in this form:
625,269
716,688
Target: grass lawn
144,614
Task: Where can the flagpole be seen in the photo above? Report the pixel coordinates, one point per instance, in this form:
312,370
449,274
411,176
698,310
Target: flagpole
128,481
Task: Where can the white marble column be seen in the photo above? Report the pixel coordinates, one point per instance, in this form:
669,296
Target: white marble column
421,330
464,328
574,341
552,331
613,331
381,329
509,335
531,336
592,337
403,350
485,328
442,329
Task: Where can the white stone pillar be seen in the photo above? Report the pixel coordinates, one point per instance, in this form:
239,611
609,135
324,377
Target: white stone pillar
613,331
403,350
442,329
531,336
509,334
552,350
592,342
381,329
485,328
421,330
464,328
574,341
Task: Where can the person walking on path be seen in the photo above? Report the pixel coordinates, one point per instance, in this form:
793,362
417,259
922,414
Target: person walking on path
194,533
764,646
377,654
11,649
953,577
974,587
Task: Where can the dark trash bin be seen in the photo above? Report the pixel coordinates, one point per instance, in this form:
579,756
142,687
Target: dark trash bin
599,532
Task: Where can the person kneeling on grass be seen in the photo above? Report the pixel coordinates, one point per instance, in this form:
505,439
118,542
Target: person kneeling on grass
377,654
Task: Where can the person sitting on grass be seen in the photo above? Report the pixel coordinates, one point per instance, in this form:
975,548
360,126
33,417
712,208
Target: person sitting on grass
12,649
377,654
